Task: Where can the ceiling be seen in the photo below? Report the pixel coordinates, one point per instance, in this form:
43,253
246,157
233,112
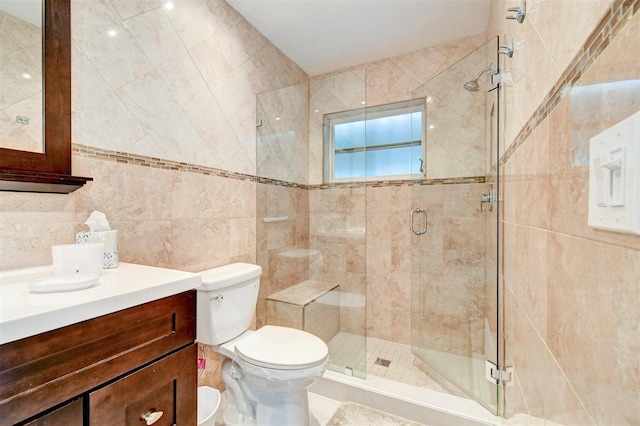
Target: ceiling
328,35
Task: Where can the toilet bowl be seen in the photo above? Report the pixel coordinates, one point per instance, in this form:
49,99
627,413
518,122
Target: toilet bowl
267,371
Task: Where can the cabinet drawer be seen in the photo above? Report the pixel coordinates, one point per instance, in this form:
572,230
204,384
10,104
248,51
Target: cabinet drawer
68,415
45,370
164,387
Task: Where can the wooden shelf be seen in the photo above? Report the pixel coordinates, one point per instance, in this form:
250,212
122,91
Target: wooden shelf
18,181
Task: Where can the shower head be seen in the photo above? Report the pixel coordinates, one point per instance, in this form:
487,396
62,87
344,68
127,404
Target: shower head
472,85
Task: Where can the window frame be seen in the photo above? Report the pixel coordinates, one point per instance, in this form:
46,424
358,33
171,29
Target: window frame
365,114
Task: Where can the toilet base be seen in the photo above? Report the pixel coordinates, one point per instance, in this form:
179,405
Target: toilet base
265,400
230,415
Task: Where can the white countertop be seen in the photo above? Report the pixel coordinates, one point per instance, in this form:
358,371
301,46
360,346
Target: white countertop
24,314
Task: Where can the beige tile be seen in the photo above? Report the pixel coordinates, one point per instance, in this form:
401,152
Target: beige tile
242,239
422,65
193,20
530,84
193,195
92,100
126,9
530,273
619,62
388,200
199,244
527,183
563,41
592,319
156,35
163,118
144,242
30,244
528,360
19,33
118,57
17,62
284,314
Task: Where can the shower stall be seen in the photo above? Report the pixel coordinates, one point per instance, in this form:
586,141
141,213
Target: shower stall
378,224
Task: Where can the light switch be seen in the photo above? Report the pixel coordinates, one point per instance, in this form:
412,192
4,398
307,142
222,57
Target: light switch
614,177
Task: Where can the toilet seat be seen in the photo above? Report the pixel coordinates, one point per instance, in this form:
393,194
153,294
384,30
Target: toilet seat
282,348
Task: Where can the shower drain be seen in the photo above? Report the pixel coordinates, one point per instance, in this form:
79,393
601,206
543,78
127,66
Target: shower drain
382,362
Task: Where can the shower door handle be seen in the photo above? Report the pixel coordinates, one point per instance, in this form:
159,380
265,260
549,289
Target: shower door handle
424,221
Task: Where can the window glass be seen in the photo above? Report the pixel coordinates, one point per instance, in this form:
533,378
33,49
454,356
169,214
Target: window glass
384,142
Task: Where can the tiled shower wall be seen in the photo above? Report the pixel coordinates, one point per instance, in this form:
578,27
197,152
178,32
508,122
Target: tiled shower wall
383,82
340,214
570,292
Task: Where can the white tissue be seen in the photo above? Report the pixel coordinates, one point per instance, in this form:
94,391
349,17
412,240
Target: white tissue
97,221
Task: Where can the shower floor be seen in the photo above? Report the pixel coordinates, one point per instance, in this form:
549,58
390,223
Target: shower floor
347,350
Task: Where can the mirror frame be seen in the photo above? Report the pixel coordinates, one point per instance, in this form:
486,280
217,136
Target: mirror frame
49,171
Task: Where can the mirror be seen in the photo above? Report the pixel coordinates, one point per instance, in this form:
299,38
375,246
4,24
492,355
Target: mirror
49,168
21,75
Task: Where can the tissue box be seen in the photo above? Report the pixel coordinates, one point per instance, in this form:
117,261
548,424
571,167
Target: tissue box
110,241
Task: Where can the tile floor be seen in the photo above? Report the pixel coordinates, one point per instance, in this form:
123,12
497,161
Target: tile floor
347,349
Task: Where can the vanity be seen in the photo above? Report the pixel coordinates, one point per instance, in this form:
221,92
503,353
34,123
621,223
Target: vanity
122,352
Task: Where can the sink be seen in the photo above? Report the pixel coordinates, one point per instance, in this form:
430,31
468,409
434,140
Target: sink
24,313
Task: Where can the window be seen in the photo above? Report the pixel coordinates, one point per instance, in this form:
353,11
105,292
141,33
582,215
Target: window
381,142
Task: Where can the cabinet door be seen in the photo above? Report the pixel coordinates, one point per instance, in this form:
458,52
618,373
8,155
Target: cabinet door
68,415
168,386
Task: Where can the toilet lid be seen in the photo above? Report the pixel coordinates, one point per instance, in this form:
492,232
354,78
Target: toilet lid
282,348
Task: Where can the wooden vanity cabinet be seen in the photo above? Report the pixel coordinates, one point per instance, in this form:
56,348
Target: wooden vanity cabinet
111,370
69,414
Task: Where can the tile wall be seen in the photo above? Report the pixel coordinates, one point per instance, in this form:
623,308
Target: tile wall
172,83
282,194
282,246
570,292
383,82
178,84
339,214
20,89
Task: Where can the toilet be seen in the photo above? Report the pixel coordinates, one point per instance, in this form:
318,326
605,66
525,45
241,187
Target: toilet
267,371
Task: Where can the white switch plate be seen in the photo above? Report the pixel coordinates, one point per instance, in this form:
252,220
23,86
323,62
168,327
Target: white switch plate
614,177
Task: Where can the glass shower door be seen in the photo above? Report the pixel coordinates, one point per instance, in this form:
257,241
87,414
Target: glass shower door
454,263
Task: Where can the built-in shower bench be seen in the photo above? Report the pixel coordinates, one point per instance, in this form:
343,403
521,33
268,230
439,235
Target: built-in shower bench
310,306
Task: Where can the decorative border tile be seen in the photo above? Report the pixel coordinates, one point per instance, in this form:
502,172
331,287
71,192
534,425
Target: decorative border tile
156,163
614,20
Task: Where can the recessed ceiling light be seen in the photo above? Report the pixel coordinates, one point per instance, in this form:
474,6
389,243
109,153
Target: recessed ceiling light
112,33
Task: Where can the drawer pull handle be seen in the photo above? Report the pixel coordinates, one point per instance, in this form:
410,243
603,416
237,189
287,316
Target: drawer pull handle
150,417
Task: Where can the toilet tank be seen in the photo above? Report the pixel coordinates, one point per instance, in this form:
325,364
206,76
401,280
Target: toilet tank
227,302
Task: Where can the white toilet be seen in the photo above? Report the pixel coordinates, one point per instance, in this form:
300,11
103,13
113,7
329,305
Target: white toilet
267,371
